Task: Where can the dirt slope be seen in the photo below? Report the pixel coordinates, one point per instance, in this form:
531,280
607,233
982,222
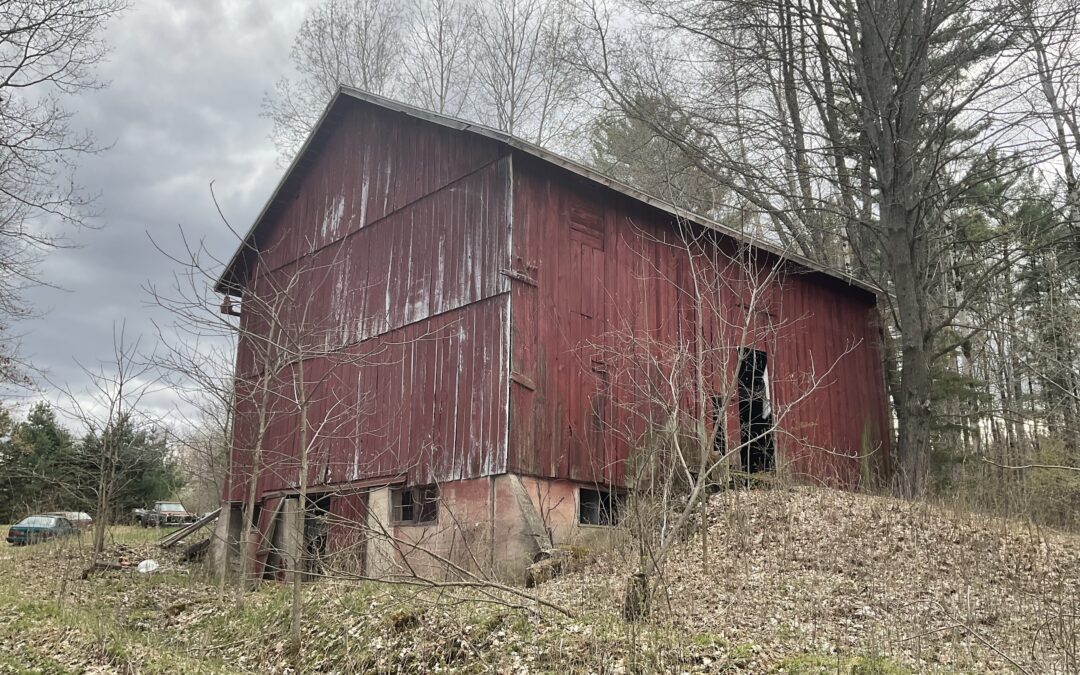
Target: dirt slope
836,576
797,581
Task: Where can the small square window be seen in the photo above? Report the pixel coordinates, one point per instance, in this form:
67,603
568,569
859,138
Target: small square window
599,507
417,505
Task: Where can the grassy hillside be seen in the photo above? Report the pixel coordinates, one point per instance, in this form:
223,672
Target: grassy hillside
796,581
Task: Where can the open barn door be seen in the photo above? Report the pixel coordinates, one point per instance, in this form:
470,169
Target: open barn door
758,448
268,557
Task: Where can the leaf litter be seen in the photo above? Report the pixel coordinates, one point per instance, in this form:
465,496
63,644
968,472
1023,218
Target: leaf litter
797,580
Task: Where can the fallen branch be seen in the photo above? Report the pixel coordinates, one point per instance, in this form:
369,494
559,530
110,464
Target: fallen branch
1021,467
103,565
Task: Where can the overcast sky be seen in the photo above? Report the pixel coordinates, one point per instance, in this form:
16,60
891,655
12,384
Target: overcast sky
187,78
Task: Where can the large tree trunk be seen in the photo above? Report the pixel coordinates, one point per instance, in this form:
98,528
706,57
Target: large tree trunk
890,61
913,391
913,415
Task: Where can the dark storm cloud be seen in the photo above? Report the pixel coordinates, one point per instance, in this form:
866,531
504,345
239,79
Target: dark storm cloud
186,80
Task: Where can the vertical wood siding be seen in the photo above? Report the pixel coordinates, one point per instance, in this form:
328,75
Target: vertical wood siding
604,266
438,349
426,402
389,259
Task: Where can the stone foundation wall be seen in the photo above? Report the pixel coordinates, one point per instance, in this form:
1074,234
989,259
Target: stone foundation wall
493,526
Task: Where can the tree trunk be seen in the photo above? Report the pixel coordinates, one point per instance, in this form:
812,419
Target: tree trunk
913,391
296,614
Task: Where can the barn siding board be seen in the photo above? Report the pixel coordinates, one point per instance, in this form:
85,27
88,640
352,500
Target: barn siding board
399,260
389,396
463,300
635,279
350,181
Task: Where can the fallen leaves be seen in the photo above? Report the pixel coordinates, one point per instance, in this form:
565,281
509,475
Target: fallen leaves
817,571
800,580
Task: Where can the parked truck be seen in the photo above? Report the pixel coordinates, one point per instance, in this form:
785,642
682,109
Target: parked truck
164,513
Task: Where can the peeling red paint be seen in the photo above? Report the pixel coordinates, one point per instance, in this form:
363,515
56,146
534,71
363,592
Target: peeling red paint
449,288
601,267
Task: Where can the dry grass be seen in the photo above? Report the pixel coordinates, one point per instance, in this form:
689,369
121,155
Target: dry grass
799,581
836,576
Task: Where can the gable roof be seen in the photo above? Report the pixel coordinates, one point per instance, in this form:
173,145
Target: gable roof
227,282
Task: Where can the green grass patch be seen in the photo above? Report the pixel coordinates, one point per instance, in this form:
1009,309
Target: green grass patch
814,664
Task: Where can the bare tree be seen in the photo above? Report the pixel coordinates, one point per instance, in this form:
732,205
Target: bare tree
856,131
115,429
201,443
287,401
526,85
353,42
439,55
674,388
48,51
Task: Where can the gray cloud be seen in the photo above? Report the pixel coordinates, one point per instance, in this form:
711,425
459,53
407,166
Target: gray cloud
182,109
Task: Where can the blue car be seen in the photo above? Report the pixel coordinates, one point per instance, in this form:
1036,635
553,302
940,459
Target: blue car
35,529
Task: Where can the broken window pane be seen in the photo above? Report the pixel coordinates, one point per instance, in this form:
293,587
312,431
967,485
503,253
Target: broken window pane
598,507
415,505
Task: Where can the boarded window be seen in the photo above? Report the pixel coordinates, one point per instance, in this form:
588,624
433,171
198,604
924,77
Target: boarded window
417,505
599,507
587,227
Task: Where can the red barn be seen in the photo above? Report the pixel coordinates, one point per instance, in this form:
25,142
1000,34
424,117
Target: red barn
454,338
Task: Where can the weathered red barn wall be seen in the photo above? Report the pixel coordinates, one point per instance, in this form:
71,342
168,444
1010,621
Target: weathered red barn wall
839,430
392,247
475,296
593,265
430,403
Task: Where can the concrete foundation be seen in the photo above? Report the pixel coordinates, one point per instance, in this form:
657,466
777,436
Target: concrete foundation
289,538
493,526
380,549
224,557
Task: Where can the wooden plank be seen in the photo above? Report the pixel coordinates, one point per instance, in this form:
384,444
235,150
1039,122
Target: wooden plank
268,518
183,533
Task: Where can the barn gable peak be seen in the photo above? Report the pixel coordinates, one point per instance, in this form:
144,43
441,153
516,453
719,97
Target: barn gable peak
230,281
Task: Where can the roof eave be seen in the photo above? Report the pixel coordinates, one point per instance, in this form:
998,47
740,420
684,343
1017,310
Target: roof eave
223,285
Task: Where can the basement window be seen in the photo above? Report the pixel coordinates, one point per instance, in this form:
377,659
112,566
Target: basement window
599,507
417,505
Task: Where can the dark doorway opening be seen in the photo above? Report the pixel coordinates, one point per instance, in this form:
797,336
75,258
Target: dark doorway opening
755,412
316,533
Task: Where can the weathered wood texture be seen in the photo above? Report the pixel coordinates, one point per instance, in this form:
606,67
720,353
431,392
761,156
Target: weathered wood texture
383,271
607,275
457,305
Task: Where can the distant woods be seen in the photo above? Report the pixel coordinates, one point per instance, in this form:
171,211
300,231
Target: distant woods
44,466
